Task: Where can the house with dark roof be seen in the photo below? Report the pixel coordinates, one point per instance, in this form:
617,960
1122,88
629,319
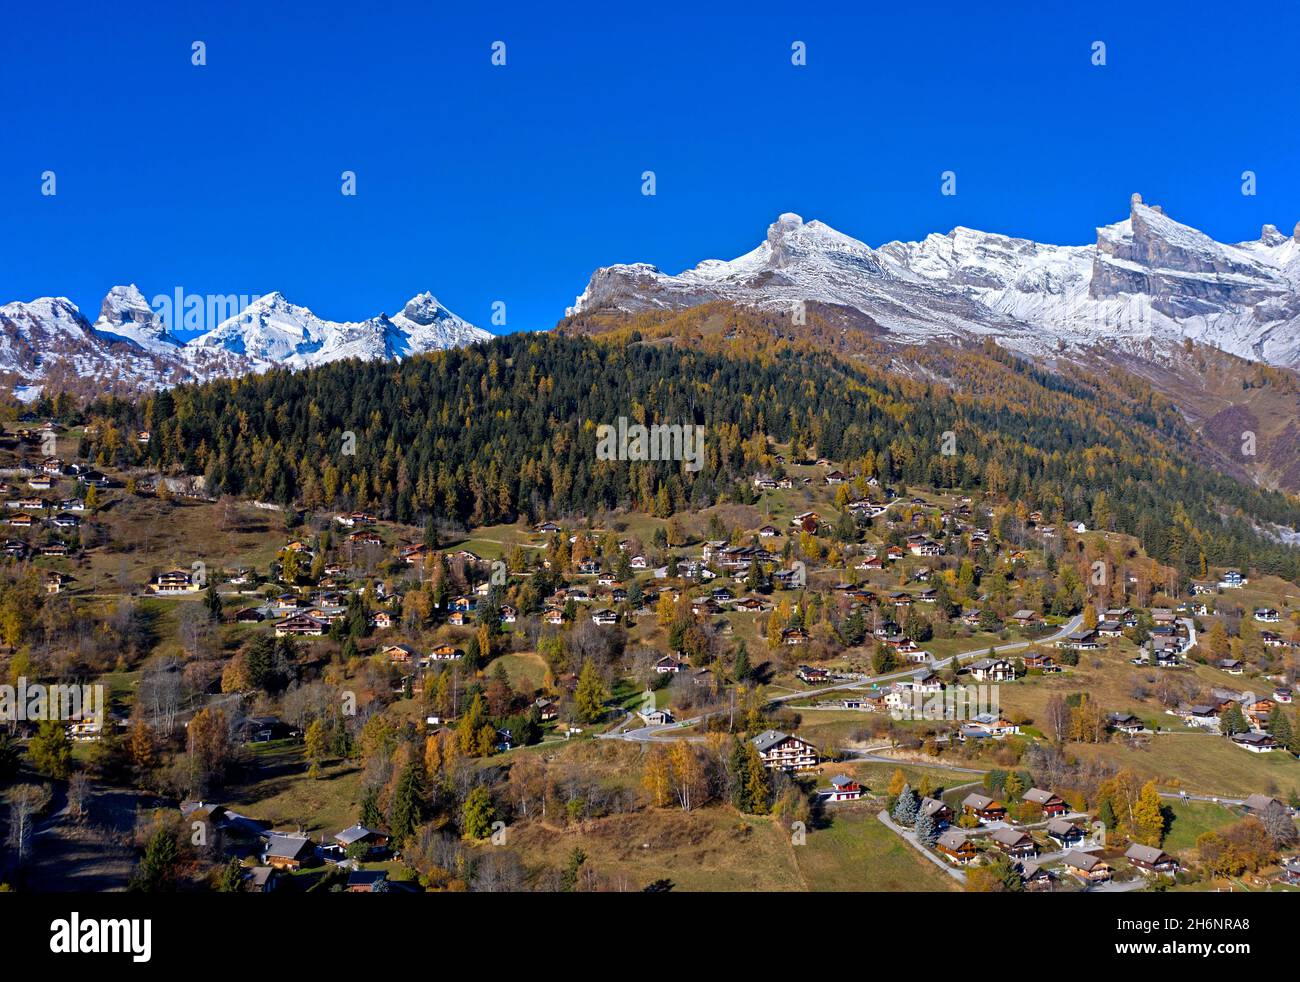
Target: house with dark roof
781,751
288,851
1015,843
1086,866
1048,803
1065,833
955,845
1150,859
983,807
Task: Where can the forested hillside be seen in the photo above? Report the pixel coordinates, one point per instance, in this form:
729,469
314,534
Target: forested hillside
506,430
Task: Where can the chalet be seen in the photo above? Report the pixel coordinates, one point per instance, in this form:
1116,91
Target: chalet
458,618
54,582
780,751
1034,876
669,665
250,615
989,725
1126,723
1085,640
509,614
414,555
173,582
300,625
66,521
1282,694
288,851
794,635
546,528
1048,803
382,620
1258,804
768,531
787,579
843,788
1201,715
956,847
1064,832
21,521
367,881
1232,580
925,547
983,807
547,709
262,729
54,549
261,879
813,676
655,717
40,483
1291,871
835,477
1231,665
1271,639
445,652
1087,867
1041,662
1149,859
1267,615
992,670
1024,618
605,616
1015,843
553,616
400,653
1110,629
937,810
1256,743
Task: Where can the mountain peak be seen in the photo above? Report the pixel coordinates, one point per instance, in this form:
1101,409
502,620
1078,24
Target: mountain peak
424,308
1146,281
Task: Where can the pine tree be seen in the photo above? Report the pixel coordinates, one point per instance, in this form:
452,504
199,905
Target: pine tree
927,830
590,696
906,807
477,814
406,813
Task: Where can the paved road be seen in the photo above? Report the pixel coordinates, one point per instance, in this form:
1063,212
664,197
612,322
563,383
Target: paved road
915,843
648,734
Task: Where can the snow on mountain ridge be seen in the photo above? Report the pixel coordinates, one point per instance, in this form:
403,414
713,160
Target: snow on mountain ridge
129,344
1146,280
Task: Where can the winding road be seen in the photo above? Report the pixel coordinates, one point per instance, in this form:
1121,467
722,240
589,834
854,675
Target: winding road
664,731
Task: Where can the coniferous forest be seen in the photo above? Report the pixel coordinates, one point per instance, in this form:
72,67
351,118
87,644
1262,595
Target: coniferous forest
507,431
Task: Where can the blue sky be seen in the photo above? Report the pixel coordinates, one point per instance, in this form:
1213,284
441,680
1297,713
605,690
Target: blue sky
483,183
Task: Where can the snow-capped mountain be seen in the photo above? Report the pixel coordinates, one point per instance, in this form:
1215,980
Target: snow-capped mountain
125,315
273,331
48,341
1146,281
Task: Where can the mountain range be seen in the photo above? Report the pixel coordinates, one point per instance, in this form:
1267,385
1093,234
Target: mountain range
1136,298
1147,283
48,342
